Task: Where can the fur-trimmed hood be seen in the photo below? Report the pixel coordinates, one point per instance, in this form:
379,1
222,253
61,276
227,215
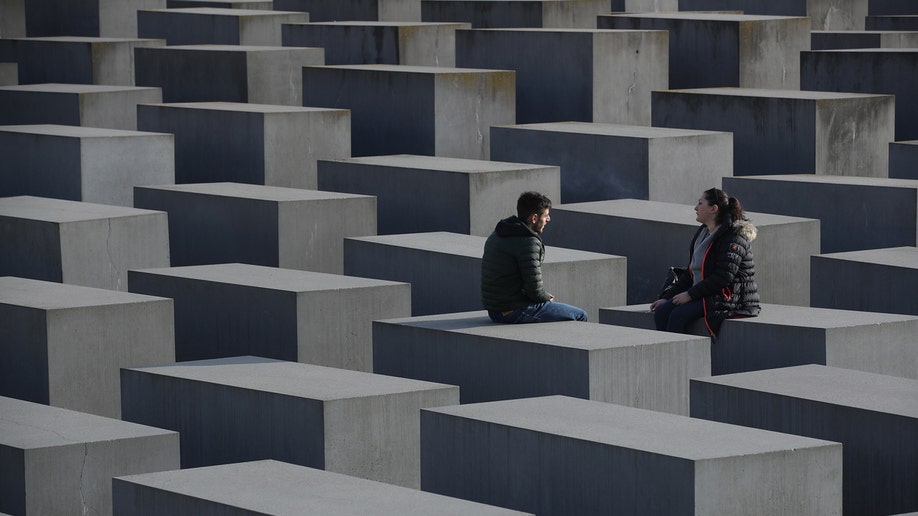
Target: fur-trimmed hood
745,229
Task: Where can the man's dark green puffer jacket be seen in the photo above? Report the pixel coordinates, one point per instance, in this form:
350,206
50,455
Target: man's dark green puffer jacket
511,267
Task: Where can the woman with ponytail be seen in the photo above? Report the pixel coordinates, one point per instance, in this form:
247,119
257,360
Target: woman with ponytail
719,281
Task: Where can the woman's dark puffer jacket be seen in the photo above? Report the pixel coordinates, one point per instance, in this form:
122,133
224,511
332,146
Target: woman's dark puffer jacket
728,285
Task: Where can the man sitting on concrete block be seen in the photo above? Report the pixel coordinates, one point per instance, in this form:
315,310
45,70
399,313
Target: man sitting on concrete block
511,268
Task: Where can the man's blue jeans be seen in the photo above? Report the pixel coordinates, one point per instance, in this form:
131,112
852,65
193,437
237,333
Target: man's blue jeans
549,311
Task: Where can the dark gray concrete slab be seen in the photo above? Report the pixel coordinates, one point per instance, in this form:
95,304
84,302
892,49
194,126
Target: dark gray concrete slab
228,4
903,160
378,42
789,132
424,193
215,25
400,109
273,487
837,40
290,228
107,18
892,22
823,14
708,50
58,461
250,408
489,361
89,105
875,280
608,161
83,163
79,59
362,10
560,455
655,236
63,345
875,417
573,74
310,317
249,143
79,243
487,14
444,270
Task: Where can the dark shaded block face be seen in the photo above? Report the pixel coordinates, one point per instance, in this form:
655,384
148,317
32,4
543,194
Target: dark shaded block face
55,61
193,76
62,17
323,10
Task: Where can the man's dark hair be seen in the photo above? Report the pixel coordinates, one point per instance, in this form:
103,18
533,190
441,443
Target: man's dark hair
531,202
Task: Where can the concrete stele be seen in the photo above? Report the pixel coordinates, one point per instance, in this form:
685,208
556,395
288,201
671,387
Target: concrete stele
216,25
107,18
367,10
249,408
489,14
903,159
874,280
823,14
556,455
489,361
89,105
80,59
837,40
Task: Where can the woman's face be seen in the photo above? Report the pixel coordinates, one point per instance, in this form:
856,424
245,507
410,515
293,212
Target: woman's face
704,212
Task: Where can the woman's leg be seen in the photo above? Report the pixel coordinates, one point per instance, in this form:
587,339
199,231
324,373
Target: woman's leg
661,315
680,316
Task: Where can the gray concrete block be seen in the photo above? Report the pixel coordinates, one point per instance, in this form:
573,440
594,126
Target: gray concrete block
487,14
711,49
79,59
289,228
573,74
12,19
788,132
488,361
399,109
415,194
227,4
215,25
83,163
250,408
783,336
655,236
559,455
875,418
823,14
63,345
309,317
372,42
881,70
444,270
9,74
293,489
58,461
837,40
903,160
249,143
229,73
892,22
79,243
875,280
106,18
606,161
854,212
364,10
110,107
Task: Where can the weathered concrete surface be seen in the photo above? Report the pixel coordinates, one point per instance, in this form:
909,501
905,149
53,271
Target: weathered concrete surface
216,25
487,14
367,10
823,14
875,280
837,40
80,59
89,105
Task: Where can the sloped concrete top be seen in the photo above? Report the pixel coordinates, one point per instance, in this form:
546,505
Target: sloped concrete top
239,48
432,70
878,182
774,93
246,107
393,23
273,487
833,385
25,425
635,131
48,295
75,131
702,16
568,334
89,39
669,213
905,257
638,429
60,210
259,192
291,378
73,88
883,50
807,317
444,164
225,11
268,277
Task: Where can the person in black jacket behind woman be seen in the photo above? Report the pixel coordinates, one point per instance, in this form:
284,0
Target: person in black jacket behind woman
719,282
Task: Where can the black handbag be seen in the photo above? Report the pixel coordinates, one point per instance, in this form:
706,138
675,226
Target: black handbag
672,277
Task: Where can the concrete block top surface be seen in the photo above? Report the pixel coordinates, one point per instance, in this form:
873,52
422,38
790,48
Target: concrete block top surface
471,246
73,88
259,192
633,428
904,257
232,48
597,128
74,131
833,385
568,334
807,317
664,212
223,11
291,378
369,23
61,211
564,30
246,107
27,425
414,69
48,295
273,487
882,50
775,93
444,164
879,182
273,278
90,39
708,16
